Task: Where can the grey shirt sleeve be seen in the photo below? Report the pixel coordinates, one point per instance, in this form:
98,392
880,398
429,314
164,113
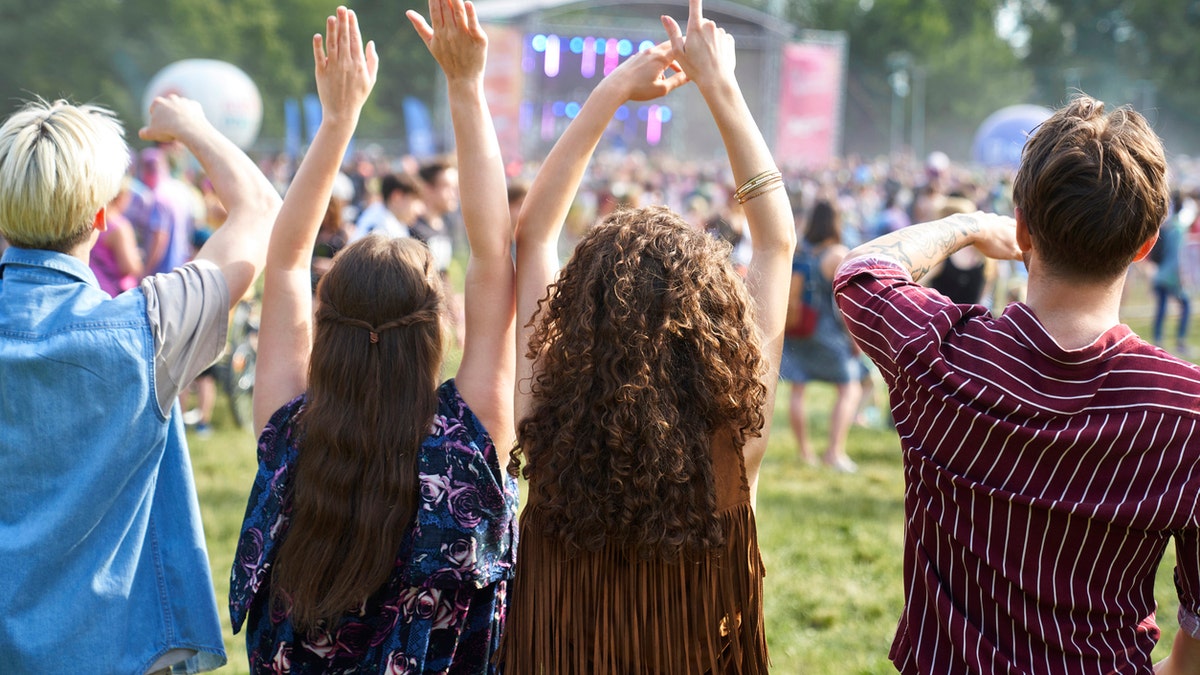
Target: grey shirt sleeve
188,309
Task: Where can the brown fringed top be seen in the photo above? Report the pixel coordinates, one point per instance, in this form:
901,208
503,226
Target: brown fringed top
608,612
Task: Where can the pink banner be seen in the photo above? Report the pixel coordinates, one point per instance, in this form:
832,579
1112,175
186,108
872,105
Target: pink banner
504,84
810,104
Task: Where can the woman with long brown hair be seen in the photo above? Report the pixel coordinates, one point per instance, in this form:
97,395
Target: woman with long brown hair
380,530
649,371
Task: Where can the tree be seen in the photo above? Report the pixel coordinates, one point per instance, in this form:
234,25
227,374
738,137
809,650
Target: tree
968,71
1120,51
405,65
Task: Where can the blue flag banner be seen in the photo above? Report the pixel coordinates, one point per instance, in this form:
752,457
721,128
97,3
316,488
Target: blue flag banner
312,115
420,128
291,127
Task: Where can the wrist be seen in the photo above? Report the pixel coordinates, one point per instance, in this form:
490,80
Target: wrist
335,120
469,82
720,89
609,92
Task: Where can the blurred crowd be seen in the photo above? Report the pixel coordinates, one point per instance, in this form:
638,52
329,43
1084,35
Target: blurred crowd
167,209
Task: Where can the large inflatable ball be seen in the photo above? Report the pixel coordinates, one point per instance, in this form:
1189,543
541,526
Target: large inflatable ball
228,96
1001,137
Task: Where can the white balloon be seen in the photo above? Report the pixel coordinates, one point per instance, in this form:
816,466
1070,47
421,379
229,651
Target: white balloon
229,97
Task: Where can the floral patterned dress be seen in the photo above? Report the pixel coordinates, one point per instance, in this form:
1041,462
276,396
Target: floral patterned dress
443,608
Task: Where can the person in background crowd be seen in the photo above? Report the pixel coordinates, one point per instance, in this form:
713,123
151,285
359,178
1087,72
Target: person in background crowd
332,237
439,191
729,225
399,208
966,276
1167,282
828,355
163,213
115,259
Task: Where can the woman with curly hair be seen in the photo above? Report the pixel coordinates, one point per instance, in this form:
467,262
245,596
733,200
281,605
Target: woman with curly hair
379,532
649,371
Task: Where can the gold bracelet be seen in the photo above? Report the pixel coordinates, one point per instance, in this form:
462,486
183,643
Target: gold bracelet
758,181
761,189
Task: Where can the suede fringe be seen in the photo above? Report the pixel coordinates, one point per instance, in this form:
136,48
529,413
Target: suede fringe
605,613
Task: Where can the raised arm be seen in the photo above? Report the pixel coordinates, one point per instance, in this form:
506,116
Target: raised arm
923,246
706,54
639,78
345,74
240,245
485,376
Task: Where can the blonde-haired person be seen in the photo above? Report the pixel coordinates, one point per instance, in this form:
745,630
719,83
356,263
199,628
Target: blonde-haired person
102,556
649,371
379,533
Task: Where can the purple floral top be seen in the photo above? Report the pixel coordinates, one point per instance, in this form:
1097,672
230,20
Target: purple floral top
442,609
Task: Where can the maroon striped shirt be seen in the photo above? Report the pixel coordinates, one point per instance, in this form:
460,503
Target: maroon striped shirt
1042,485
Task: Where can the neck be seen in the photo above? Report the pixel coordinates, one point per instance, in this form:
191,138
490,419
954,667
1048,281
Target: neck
1075,313
83,251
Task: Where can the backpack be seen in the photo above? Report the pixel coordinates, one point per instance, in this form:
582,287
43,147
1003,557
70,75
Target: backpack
801,319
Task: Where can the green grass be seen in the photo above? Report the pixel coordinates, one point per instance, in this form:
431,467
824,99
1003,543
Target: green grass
832,543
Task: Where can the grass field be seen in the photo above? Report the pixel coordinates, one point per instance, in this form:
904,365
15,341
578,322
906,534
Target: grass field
832,542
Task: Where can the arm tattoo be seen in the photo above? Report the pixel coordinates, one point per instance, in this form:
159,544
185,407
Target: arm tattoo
920,247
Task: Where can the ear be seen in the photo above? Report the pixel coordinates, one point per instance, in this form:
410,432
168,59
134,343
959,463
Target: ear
100,223
1024,240
1145,249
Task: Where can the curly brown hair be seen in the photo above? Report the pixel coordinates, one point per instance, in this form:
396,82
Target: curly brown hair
646,348
372,394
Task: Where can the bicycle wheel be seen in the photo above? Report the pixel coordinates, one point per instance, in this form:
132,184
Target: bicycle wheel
240,384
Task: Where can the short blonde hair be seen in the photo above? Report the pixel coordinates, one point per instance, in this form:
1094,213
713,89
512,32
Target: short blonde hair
59,165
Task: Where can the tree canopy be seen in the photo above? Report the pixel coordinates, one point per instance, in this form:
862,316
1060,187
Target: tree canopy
1123,51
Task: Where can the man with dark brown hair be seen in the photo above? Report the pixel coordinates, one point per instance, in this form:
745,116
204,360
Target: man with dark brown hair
1050,454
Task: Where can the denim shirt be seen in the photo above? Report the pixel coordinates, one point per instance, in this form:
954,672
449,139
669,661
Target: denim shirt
103,566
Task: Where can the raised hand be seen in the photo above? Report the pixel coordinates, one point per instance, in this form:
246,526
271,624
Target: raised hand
706,53
455,39
642,77
345,71
173,117
345,75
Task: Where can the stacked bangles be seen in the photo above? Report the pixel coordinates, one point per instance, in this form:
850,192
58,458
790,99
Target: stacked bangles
761,184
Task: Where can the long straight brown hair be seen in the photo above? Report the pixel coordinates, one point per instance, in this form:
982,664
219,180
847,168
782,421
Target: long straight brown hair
372,394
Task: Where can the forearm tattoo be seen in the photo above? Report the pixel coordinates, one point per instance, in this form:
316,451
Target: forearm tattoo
921,247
